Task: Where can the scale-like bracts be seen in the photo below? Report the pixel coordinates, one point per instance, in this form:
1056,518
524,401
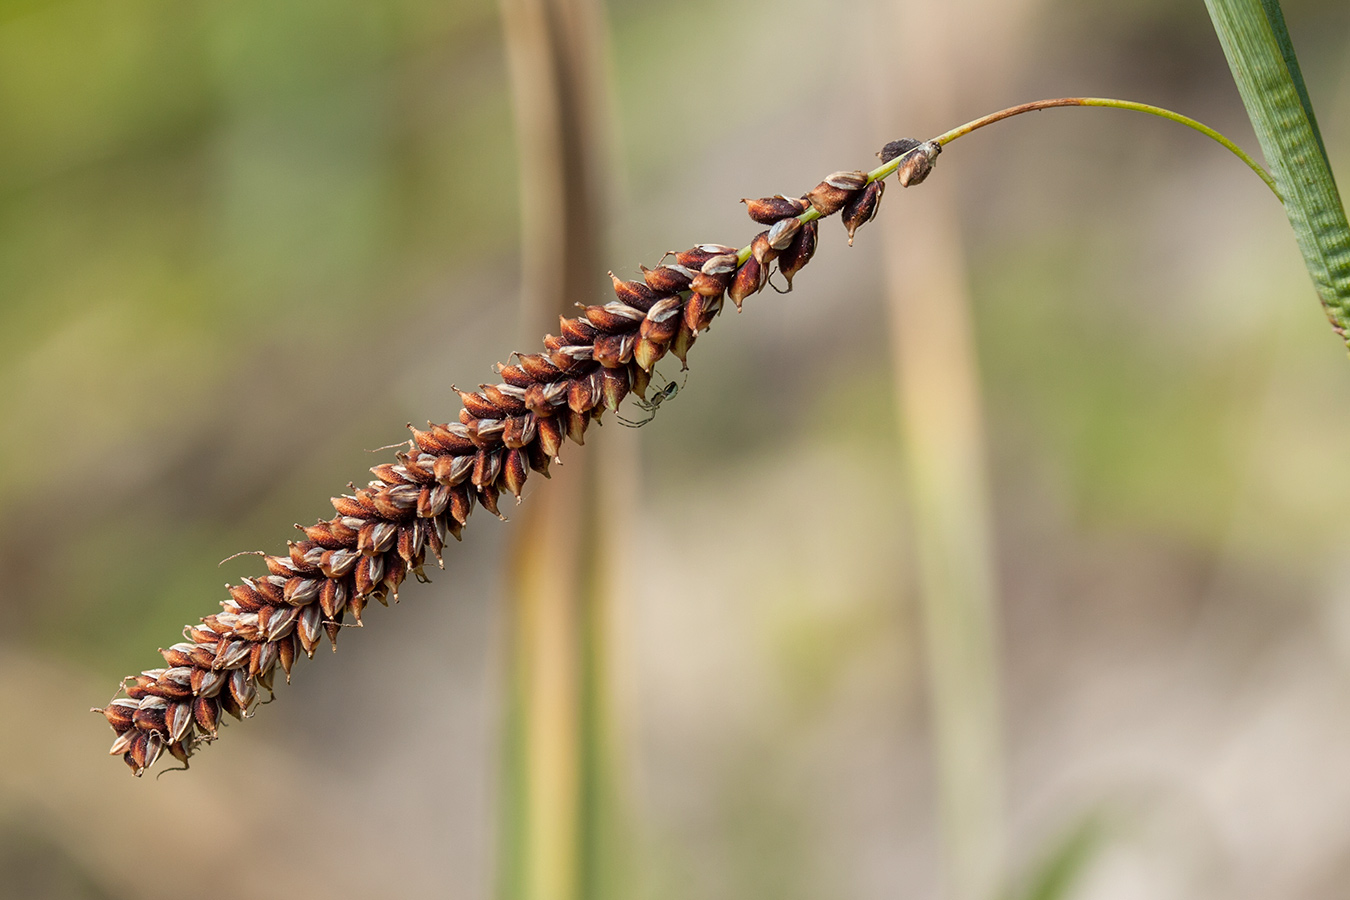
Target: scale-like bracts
385,531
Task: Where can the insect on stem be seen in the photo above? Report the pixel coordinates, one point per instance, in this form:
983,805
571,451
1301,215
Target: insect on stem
664,393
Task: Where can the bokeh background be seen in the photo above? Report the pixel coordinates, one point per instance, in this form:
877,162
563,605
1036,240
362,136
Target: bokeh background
242,243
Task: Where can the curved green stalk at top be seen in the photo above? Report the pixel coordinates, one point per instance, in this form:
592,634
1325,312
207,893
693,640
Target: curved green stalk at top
1168,114
887,169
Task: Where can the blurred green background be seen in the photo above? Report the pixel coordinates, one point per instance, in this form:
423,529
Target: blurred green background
242,243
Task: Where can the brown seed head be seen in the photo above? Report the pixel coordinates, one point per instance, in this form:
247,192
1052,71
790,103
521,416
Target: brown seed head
388,528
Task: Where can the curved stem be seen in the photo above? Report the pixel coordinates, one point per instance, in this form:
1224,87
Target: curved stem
1114,104
887,169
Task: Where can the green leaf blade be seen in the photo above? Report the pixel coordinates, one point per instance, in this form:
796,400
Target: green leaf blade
1265,67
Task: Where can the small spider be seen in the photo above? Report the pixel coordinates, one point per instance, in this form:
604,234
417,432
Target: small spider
661,395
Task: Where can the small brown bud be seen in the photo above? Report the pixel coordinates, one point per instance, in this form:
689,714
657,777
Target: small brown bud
278,565
300,591
262,660
177,720
478,406
485,467
536,401
684,339
242,690
229,705
200,634
799,252
768,210
576,426
648,353
584,393
307,629
248,599
305,555
614,350
633,293
615,317
119,713
538,458
286,652
510,400
862,208
550,434
454,527
515,376
149,716
207,682
230,654
831,194
272,587
337,563
122,743
203,655
436,500
178,654
897,148
663,321
576,331
668,279
695,257
376,537
538,367
372,569
710,285
396,502
487,495
349,506
749,279
919,163
519,431
332,599
639,378
514,472
145,749
615,387
761,251
180,752
700,311
451,470
387,473
408,545
461,503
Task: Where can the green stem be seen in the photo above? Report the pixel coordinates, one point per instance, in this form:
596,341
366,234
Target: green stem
1008,113
887,169
975,124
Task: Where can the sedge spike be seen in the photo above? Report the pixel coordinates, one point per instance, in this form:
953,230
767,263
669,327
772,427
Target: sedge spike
388,529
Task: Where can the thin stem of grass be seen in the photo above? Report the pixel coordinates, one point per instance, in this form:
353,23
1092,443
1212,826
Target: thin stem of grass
887,169
1168,114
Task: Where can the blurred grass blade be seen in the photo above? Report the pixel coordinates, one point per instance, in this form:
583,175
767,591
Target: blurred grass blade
1256,42
940,416
561,834
1061,870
